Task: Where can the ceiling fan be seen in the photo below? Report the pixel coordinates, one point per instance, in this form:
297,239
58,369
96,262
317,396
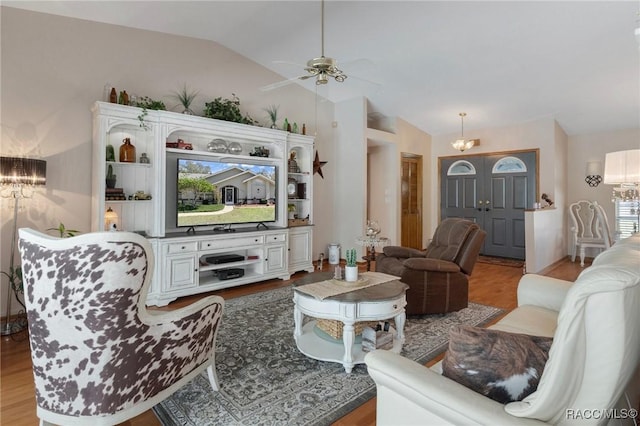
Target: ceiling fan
321,68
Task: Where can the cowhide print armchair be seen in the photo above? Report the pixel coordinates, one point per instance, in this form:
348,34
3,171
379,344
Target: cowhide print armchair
99,357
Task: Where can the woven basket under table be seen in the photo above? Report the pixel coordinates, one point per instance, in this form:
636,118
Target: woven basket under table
334,327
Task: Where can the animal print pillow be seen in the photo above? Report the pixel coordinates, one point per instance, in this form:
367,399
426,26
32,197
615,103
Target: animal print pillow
503,366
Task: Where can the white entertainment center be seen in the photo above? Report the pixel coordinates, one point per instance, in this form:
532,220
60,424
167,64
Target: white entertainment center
204,258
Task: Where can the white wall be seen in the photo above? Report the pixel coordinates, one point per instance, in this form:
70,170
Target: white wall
350,186
55,68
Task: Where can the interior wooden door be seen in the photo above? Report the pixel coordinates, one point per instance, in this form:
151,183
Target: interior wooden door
411,195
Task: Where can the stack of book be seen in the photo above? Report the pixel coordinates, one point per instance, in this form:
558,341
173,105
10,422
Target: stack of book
112,194
378,338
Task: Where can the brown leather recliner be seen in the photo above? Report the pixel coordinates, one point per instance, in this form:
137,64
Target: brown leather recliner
438,277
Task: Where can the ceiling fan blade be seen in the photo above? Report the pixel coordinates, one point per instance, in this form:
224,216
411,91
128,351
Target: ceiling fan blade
279,84
281,62
374,83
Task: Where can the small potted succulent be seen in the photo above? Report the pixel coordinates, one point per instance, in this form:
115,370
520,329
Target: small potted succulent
351,268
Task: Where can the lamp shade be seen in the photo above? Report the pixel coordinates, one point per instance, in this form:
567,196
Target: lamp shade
22,171
622,167
110,220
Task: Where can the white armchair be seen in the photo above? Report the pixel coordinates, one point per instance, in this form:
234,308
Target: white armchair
99,357
593,363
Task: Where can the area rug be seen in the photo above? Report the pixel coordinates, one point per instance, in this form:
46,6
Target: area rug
264,380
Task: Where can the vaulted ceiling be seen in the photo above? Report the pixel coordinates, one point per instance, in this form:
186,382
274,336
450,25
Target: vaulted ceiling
501,62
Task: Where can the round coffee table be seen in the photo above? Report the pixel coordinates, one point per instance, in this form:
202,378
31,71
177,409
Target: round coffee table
380,302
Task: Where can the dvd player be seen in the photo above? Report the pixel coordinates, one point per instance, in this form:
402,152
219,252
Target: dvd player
229,273
224,258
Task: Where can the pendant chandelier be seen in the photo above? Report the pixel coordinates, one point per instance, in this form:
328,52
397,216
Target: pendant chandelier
462,144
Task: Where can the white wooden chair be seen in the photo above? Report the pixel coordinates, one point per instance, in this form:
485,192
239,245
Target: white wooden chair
590,228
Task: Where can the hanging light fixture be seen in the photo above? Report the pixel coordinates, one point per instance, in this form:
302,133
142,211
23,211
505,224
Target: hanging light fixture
323,67
461,144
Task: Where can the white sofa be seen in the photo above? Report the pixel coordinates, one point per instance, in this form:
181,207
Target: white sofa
593,365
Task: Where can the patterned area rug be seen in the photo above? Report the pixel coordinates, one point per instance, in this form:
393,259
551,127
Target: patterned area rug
264,380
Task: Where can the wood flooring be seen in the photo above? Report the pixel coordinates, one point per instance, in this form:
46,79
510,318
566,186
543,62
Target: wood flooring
493,285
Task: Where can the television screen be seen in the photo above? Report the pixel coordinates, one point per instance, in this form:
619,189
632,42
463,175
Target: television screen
219,193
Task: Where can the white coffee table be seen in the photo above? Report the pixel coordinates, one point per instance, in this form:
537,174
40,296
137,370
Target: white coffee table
380,302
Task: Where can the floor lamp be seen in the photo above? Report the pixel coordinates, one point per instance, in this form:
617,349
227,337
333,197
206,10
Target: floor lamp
18,177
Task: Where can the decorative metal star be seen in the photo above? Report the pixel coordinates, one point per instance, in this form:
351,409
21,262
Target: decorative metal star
317,165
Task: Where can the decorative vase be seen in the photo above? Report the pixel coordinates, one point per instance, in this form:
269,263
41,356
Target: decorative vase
127,151
351,273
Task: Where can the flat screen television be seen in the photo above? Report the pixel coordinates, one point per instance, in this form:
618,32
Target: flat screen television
224,193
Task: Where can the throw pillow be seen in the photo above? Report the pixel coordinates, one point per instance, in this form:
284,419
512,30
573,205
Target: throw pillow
503,366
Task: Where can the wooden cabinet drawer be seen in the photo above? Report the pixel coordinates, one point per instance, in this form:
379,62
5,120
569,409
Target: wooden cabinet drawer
374,309
232,242
182,247
275,238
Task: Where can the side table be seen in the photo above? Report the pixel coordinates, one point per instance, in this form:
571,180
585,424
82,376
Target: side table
380,302
370,242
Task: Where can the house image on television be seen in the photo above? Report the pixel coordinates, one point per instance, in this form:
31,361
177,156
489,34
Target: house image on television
235,186
238,186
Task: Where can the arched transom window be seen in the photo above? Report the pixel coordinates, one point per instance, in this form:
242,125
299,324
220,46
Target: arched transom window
509,165
461,167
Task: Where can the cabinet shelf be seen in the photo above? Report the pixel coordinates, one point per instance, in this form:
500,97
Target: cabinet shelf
225,156
127,201
123,164
213,267
213,283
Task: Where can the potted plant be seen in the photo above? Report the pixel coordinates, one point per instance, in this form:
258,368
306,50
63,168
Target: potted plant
351,268
226,109
146,104
272,111
185,97
291,210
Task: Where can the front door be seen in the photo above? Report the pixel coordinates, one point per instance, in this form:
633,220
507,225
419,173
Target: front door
229,195
494,191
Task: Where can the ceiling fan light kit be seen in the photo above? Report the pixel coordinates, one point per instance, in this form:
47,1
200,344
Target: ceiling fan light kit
323,68
463,144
